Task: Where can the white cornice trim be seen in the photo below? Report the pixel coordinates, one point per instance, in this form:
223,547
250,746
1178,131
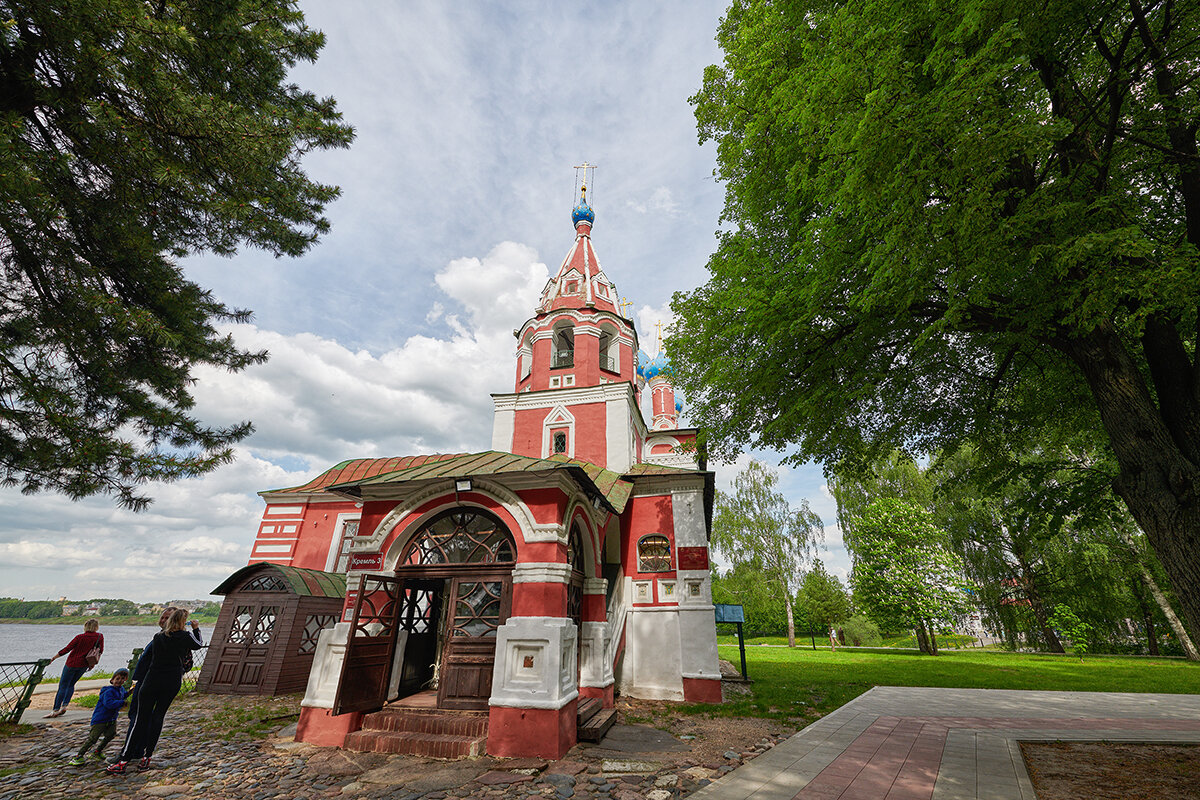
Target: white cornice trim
532,702
541,572
595,586
571,395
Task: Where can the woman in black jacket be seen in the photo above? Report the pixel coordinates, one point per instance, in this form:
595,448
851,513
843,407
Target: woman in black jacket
159,673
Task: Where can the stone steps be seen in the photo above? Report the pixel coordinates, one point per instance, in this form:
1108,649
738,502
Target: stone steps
437,734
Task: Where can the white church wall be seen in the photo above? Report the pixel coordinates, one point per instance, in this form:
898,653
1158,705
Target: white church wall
652,669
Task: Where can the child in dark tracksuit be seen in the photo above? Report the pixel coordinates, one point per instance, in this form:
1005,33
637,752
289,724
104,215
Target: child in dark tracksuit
104,718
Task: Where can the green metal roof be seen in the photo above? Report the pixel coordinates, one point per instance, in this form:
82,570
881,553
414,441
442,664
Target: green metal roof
358,468
304,582
609,485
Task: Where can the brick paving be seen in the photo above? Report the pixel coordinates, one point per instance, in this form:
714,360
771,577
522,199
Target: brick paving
947,744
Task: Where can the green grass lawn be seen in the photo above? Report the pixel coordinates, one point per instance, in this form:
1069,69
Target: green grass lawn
800,682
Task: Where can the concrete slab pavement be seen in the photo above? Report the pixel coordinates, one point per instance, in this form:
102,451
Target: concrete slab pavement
901,743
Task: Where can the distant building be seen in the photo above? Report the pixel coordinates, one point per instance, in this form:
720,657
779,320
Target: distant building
92,610
70,609
190,605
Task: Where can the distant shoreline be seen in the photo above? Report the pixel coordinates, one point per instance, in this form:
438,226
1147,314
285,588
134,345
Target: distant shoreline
148,620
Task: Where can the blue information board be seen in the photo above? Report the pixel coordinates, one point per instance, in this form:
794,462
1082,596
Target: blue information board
729,613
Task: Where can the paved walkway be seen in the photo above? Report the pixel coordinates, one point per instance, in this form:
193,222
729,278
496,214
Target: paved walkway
897,743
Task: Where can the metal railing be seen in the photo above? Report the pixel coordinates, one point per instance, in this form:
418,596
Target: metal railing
17,682
562,358
190,678
608,364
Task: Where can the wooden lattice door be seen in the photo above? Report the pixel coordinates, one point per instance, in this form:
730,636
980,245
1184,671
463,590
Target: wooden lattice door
479,604
367,667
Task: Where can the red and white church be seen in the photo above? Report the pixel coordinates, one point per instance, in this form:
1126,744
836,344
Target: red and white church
569,562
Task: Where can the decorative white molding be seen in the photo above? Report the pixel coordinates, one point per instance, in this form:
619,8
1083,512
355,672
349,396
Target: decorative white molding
560,417
528,529
595,586
535,663
278,510
541,572
577,396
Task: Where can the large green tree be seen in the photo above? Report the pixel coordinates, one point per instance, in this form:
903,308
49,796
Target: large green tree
959,220
905,574
756,528
132,133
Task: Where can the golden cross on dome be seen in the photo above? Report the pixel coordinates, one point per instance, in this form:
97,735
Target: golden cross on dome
624,305
585,166
658,336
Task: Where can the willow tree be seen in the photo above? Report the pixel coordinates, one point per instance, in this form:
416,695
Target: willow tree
756,528
958,220
133,133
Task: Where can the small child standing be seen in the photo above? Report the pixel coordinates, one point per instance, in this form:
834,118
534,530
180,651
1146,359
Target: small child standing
104,718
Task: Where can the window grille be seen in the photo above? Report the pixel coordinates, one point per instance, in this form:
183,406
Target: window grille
654,554
313,625
461,536
265,583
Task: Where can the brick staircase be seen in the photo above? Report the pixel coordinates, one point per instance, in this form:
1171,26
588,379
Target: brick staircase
433,733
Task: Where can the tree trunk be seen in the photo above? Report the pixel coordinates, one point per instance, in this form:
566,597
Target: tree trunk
922,640
1139,593
1159,477
933,651
1038,607
1185,641
791,625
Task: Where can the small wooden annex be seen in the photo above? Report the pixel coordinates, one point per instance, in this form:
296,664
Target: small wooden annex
266,634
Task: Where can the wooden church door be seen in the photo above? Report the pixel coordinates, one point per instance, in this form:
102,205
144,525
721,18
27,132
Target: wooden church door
367,667
472,550
479,605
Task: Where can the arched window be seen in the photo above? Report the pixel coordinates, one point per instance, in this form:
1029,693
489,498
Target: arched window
609,354
461,536
564,347
654,554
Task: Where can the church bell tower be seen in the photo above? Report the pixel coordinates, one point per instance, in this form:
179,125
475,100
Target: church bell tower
576,392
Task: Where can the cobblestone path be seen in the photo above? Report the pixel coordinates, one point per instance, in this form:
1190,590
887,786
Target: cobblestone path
222,748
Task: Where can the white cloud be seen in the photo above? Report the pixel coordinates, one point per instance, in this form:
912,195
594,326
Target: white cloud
659,203
314,403
30,553
385,339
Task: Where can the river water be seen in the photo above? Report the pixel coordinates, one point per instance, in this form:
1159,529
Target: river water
31,642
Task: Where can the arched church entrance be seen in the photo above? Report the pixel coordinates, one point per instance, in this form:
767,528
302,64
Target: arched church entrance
451,591
457,571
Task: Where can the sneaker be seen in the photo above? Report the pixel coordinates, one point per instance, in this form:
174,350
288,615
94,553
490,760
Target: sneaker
116,769
97,756
77,761
144,763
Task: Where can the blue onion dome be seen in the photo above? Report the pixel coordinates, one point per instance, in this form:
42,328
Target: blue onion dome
583,212
651,367
678,406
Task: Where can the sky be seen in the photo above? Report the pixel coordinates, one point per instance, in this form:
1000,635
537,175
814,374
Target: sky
388,337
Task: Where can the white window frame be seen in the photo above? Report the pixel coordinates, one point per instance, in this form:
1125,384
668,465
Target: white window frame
339,548
558,417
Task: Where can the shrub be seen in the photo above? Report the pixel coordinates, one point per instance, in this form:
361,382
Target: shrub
861,632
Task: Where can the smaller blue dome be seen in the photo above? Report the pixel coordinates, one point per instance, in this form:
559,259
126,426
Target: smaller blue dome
583,213
651,367
678,406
